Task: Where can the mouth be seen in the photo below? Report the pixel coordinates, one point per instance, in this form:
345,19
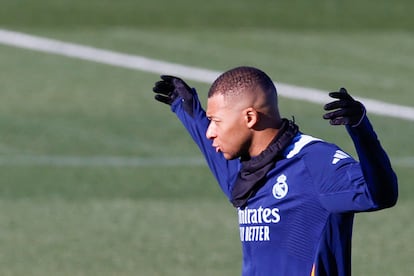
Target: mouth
217,148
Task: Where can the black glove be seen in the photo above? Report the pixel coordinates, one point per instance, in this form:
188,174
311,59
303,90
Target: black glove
170,88
348,111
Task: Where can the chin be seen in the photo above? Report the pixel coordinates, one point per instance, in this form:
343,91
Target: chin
229,157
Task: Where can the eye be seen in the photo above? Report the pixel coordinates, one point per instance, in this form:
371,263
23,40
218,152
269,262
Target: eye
212,119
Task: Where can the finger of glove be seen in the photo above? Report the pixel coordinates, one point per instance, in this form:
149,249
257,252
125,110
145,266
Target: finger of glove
337,118
340,95
340,121
169,78
163,87
335,114
343,90
175,82
180,85
163,99
338,104
342,112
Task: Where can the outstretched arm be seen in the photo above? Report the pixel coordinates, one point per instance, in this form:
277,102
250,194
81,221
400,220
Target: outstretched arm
186,105
379,176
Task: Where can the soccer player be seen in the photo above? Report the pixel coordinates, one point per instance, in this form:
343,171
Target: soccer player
296,195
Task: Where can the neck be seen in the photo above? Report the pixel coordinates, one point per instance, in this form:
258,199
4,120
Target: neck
254,170
261,140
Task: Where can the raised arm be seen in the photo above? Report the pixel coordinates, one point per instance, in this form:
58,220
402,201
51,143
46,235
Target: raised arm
376,167
185,104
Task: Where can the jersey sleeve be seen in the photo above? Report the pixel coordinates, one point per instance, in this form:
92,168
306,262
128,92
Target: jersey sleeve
225,171
379,176
345,185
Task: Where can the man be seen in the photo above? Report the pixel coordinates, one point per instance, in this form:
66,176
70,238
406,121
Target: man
296,195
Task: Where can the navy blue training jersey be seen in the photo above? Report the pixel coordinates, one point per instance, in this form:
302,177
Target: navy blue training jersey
300,221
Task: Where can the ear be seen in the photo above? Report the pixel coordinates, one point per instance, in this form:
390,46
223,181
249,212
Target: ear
251,117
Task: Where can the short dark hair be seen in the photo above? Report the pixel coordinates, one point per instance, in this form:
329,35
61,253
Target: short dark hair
235,80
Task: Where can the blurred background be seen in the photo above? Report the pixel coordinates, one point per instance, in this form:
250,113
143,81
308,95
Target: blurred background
99,179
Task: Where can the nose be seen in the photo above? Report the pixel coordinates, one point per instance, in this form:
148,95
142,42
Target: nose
210,134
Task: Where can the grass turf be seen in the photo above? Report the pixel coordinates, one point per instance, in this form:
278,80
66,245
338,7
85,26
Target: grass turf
87,219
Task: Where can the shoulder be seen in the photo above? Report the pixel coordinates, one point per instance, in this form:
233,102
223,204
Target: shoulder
315,151
301,144
324,161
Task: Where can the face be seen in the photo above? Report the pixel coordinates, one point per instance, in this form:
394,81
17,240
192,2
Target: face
227,129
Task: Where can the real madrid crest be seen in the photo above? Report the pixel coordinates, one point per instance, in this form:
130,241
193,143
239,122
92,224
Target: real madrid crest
280,189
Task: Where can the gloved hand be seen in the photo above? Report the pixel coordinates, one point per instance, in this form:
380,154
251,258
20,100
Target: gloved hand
170,88
348,111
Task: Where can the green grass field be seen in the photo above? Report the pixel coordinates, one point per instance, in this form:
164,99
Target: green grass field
85,185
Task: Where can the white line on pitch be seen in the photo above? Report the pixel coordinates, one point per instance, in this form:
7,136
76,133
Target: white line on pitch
21,40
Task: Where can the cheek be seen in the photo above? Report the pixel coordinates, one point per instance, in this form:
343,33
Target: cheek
235,136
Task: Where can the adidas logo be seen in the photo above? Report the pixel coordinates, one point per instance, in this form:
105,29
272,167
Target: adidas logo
338,156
